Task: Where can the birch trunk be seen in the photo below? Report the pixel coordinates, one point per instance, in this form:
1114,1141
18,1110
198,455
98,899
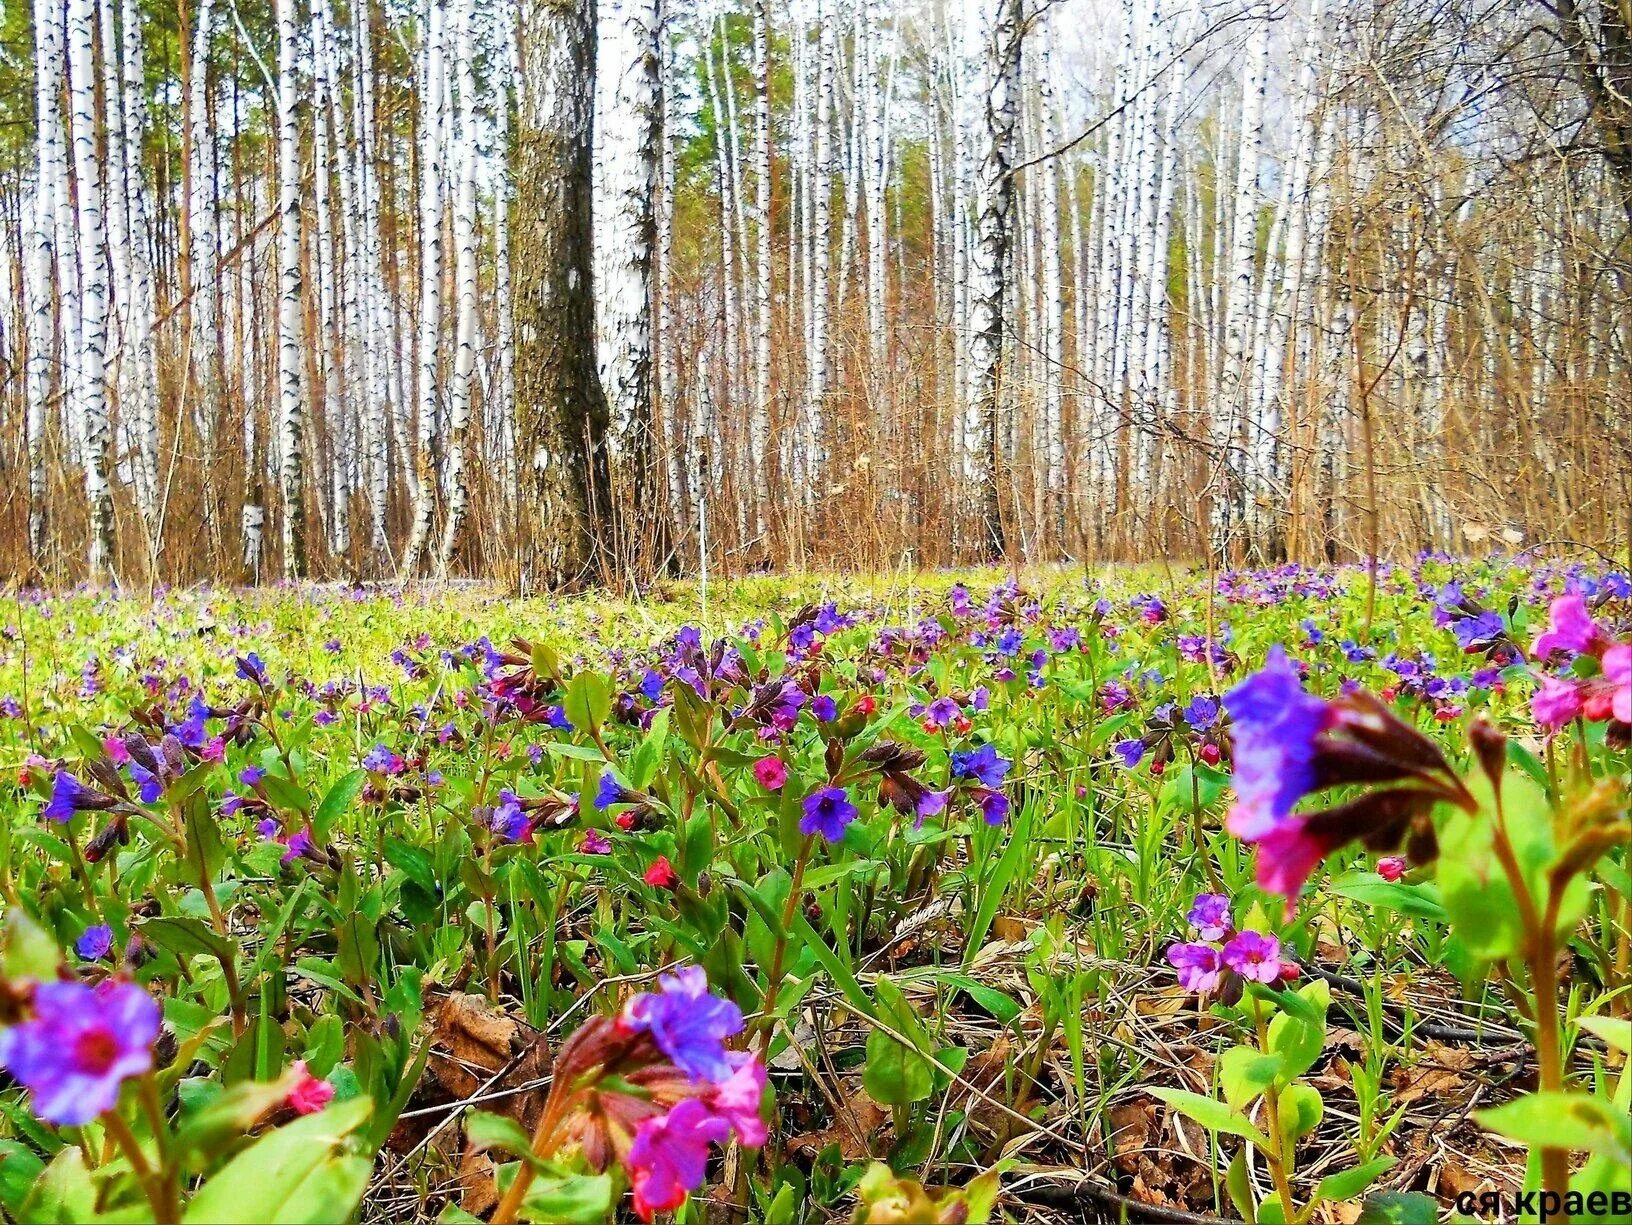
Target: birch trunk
291,458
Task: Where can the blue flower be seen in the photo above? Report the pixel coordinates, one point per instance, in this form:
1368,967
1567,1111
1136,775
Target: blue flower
95,942
1201,713
688,1024
191,731
822,707
982,765
1274,724
611,792
1132,752
250,668
828,812
70,796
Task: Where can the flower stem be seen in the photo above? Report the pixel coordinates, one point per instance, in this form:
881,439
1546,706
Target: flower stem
544,1143
773,979
153,1184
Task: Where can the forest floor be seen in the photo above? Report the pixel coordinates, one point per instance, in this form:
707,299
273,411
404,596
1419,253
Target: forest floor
417,839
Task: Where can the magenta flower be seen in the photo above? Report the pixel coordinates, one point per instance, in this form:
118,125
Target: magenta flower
310,1094
1210,916
1254,956
80,1045
1618,672
1555,702
1275,725
595,843
1200,968
1391,867
738,1099
688,1024
669,1155
1570,628
1287,855
771,773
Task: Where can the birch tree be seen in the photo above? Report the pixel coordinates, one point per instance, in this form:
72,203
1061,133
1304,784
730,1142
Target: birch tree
292,467
561,410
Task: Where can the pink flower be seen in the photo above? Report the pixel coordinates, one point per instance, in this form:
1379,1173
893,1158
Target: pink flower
1210,916
737,1099
669,1155
309,1094
1391,867
116,750
1570,628
1618,671
1254,956
1200,968
1555,702
1286,857
595,843
771,773
661,874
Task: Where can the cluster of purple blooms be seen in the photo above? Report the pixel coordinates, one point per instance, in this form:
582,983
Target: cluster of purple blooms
668,1156
1204,965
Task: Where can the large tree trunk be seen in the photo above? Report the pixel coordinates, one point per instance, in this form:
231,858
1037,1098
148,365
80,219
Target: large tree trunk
82,21
292,469
990,274
627,141
561,411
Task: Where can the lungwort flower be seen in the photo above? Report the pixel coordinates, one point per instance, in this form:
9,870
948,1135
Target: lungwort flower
1290,744
80,1045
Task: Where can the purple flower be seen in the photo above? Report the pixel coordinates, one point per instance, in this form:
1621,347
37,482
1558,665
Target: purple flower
595,843
738,1100
651,685
1275,725
69,796
611,792
250,668
95,942
1200,968
827,812
1132,752
994,807
688,1024
80,1045
1254,956
509,820
669,1155
982,764
823,707
1201,713
251,776
1477,631
191,731
1210,916
1570,628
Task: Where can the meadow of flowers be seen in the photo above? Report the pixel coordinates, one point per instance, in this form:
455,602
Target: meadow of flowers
1285,896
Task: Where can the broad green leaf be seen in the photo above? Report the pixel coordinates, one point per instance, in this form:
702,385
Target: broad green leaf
1301,1111
1563,1120
488,1130
1399,1208
1615,1031
336,801
577,1199
1212,1114
895,1074
588,701
1350,1183
1245,1072
297,1173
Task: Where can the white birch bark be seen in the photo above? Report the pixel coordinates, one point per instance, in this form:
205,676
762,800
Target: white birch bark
428,353
93,404
291,458
1227,412
462,387
42,259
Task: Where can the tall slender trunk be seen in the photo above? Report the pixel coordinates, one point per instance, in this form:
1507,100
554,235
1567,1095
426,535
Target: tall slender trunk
292,469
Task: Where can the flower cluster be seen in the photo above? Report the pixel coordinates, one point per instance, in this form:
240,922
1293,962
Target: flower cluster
655,1088
1289,744
1203,966
1599,685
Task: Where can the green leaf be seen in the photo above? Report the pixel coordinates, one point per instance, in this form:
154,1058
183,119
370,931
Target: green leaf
1245,1072
336,801
298,1173
213,1128
1615,1031
187,937
19,1167
588,701
1350,1183
1238,1182
1418,901
29,951
577,1199
488,1130
1399,1208
1301,1111
1563,1120
1212,1114
895,1074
